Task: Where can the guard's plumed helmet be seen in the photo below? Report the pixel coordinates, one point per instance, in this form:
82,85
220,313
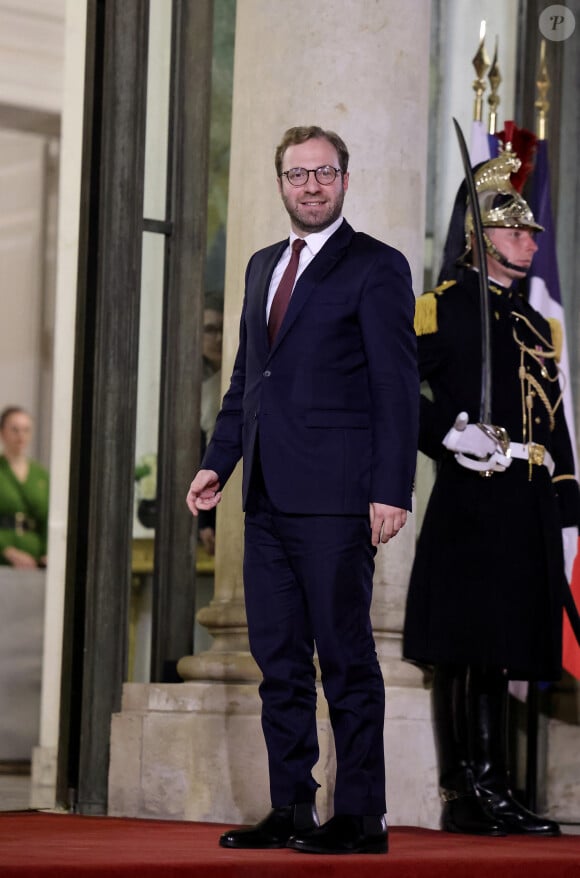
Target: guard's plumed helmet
500,203
498,182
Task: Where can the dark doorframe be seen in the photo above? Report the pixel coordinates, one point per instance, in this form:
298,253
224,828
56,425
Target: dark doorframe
98,572
181,373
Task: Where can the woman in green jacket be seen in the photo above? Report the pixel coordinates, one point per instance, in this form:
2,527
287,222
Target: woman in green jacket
23,495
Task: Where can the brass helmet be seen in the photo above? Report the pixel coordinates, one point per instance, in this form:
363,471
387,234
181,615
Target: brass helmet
500,203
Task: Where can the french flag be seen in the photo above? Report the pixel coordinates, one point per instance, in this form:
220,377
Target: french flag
483,146
544,296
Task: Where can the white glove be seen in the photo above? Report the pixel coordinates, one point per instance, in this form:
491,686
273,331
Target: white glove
477,446
570,542
469,438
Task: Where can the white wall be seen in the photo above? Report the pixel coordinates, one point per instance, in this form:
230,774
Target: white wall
31,53
453,75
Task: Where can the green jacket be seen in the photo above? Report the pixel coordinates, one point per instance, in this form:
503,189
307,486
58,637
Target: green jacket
29,497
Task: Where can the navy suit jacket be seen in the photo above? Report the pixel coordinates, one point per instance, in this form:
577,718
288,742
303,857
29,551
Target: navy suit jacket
335,400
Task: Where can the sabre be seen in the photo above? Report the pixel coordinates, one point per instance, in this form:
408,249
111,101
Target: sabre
485,395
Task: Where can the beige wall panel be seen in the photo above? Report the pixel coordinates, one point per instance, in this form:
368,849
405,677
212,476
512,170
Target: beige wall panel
22,167
31,53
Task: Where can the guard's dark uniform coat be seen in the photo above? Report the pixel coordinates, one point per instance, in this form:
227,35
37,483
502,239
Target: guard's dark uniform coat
486,583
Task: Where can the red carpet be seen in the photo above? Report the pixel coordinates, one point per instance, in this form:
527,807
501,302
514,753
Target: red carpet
37,845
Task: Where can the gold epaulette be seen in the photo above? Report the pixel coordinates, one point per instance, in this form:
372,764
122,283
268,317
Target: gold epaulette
426,309
557,334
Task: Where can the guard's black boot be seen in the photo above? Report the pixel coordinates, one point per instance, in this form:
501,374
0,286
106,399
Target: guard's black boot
467,813
464,810
488,698
514,818
275,829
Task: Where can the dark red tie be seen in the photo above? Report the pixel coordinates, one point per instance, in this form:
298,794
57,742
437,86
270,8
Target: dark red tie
284,291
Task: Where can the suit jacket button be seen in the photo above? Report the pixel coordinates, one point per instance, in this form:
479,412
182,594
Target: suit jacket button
267,373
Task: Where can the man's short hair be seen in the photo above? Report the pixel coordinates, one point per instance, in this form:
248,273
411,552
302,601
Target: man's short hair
302,133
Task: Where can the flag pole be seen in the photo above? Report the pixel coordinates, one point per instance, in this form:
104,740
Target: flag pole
542,103
493,99
481,64
541,106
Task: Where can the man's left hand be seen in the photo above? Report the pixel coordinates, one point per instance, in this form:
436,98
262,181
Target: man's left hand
386,522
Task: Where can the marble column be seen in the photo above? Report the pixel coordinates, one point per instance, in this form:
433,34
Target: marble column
195,750
362,70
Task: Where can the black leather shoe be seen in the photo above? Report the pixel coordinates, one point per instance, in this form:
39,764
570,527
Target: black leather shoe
517,820
275,829
468,814
344,834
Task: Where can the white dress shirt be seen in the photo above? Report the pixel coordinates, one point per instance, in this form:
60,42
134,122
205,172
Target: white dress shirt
314,244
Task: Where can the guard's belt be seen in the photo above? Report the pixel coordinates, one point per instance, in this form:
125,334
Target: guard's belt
19,522
533,452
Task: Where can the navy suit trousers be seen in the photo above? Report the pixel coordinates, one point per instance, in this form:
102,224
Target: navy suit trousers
307,584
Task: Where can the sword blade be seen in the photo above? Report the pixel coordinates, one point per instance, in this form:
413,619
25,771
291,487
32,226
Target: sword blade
486,364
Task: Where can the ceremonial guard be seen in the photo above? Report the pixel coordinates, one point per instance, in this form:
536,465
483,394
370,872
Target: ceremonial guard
486,593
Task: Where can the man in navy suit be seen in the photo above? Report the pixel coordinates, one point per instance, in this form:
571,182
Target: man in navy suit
323,409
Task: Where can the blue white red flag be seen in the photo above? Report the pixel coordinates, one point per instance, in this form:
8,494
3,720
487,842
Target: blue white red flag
483,146
544,294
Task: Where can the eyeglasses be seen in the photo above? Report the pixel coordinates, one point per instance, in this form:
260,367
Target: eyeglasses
299,176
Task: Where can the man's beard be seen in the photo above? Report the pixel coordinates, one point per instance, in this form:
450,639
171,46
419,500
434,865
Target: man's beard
321,221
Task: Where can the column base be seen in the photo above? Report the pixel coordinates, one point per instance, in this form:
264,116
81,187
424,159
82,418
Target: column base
195,751
563,771
43,779
235,667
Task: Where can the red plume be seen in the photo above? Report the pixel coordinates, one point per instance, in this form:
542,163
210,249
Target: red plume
523,143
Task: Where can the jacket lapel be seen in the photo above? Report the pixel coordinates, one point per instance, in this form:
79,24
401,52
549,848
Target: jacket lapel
314,274
258,283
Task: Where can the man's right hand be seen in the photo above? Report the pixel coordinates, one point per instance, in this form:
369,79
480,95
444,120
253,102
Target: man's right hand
478,446
204,492
469,438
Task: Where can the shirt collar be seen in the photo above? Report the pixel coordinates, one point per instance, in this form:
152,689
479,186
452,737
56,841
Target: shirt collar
315,241
492,280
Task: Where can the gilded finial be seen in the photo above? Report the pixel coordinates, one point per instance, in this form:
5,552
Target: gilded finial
542,104
481,64
493,100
